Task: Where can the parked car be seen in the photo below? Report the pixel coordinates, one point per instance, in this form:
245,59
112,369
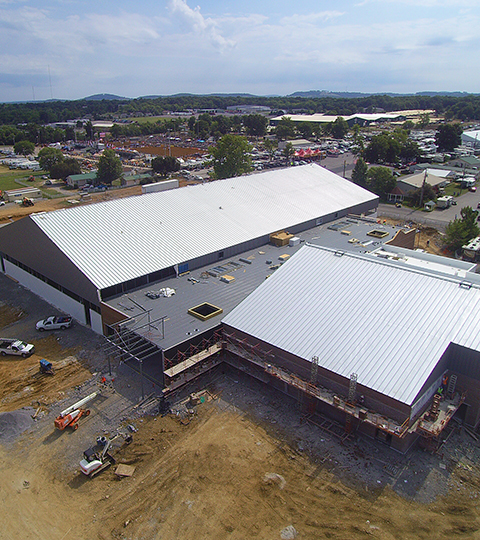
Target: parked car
54,323
16,347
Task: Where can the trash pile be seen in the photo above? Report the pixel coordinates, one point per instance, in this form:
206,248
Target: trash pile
166,292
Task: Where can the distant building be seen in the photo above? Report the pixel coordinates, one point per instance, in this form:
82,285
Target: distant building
78,181
467,162
410,183
13,195
363,119
249,109
471,138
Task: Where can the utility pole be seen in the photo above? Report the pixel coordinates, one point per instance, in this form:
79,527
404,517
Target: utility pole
423,188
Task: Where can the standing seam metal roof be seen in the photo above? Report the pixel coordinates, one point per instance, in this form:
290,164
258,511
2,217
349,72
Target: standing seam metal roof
388,324
115,241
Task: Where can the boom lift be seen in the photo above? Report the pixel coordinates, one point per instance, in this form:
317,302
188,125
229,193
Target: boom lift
70,416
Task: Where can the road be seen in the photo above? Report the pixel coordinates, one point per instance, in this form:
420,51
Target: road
342,165
436,218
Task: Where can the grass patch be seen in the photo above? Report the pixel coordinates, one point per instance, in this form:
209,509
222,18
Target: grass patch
454,187
52,194
145,119
17,178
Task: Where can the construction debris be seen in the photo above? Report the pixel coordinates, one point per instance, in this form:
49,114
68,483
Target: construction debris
124,470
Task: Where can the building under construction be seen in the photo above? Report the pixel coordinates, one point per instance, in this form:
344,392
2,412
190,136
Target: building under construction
375,338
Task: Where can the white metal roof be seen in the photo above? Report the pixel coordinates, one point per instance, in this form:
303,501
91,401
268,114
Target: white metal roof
388,324
119,240
416,180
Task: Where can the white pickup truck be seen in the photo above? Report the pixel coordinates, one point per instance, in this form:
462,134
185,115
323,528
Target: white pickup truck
54,323
15,347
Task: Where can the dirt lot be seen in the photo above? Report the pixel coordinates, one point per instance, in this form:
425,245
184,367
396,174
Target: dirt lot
221,475
12,212
428,238
242,465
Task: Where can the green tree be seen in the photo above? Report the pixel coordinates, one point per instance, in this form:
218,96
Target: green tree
165,165
70,133
381,181
459,231
230,157
424,120
109,167
191,123
339,128
65,168
306,129
448,137
360,172
24,147
49,157
89,131
376,151
427,195
285,128
270,147
255,124
288,151
410,151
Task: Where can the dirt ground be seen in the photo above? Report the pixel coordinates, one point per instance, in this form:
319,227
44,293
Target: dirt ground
219,475
428,238
12,213
21,383
240,464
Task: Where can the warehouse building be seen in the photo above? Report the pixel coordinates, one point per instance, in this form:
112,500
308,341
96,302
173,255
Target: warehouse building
386,343
233,271
78,258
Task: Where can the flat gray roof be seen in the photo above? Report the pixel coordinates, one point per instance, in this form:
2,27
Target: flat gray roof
179,326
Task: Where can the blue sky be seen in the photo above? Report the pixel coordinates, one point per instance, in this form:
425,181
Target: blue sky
70,49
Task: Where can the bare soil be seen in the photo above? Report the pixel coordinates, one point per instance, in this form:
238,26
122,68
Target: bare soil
209,478
12,213
428,238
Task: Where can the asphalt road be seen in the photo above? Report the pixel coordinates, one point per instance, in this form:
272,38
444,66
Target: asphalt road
342,165
439,217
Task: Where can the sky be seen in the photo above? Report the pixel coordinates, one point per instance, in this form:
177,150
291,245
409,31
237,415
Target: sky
70,49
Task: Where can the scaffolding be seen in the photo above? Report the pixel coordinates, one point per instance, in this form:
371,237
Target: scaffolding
435,419
198,359
264,359
187,365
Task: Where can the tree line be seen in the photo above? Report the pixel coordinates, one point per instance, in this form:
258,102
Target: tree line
462,108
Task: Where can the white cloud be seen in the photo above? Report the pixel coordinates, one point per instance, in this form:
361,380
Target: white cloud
311,18
196,22
133,52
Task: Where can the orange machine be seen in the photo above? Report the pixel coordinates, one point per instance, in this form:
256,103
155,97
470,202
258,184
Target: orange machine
70,416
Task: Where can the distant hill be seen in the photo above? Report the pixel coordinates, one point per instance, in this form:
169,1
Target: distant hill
99,97
311,94
187,94
325,93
